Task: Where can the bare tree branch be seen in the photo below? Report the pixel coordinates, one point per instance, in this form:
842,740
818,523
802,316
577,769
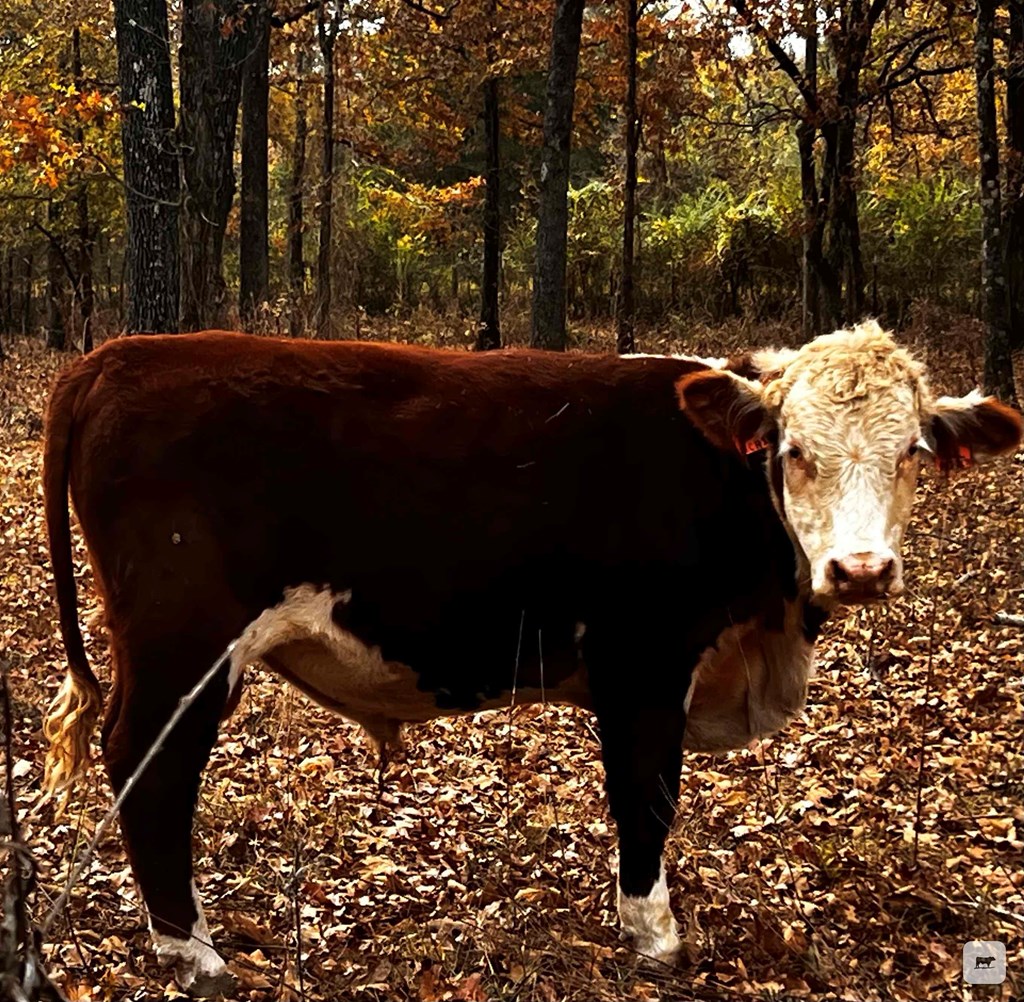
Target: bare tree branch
781,56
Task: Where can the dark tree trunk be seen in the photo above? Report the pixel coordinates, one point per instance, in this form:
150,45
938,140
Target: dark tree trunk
1013,209
811,262
84,245
150,164
842,237
830,292
805,133
8,299
56,336
213,49
998,374
842,250
27,278
326,33
489,334
296,262
253,251
846,220
626,341
84,248
548,320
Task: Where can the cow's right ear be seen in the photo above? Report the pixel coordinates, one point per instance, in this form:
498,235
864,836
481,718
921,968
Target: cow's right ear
727,408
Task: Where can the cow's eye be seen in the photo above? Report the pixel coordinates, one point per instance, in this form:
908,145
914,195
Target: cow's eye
794,453
913,450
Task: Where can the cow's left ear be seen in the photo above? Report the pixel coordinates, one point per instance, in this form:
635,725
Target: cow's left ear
973,428
727,408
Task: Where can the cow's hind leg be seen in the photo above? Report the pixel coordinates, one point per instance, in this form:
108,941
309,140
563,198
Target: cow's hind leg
642,751
156,817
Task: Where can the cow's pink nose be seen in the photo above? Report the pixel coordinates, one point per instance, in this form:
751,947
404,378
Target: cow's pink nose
862,574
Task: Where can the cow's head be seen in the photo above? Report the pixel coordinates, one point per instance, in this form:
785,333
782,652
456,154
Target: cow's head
847,421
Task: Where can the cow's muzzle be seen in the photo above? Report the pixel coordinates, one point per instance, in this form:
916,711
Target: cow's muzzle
864,577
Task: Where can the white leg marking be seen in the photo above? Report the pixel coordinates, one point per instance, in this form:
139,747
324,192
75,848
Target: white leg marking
650,922
197,965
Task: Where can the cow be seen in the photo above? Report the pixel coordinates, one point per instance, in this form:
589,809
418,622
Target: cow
404,533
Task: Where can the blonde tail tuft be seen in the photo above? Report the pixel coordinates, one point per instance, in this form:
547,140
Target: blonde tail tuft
68,728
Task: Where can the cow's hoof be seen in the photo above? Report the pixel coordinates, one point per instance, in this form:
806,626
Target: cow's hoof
212,985
198,968
648,921
654,950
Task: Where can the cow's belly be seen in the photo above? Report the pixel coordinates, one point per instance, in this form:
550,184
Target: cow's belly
300,640
750,684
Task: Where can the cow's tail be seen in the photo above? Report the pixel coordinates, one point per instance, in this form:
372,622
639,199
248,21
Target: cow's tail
72,715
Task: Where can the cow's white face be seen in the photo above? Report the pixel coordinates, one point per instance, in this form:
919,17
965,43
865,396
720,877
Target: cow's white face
848,420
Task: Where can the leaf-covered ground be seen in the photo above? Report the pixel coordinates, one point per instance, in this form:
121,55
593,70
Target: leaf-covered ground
850,857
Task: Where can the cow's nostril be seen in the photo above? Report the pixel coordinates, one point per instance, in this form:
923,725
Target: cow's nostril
836,572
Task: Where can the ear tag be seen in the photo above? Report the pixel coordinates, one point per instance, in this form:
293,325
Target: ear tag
966,456
754,445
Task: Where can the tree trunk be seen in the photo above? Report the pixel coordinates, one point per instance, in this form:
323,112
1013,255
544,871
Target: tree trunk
213,49
84,245
1013,209
84,248
150,164
548,320
842,234
27,278
842,238
830,292
998,374
56,336
296,263
805,133
811,260
626,341
8,300
326,33
253,250
489,334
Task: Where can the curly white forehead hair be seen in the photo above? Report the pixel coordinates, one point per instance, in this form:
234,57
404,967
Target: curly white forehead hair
844,366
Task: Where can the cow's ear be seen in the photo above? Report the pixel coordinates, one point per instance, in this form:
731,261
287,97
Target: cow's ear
727,408
972,428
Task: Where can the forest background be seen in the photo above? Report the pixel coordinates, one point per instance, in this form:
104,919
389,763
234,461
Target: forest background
300,168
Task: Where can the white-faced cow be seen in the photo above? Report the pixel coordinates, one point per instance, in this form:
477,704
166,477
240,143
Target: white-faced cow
394,529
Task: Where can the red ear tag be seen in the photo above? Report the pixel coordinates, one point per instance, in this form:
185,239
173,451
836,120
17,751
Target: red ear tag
966,456
755,445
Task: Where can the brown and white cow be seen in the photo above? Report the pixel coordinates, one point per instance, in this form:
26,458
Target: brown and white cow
395,530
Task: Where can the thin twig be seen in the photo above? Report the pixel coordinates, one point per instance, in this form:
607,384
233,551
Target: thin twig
183,705
508,758
1003,913
21,922
1007,619
929,678
296,870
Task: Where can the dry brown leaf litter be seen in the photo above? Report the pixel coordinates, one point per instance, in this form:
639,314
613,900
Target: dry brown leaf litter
797,868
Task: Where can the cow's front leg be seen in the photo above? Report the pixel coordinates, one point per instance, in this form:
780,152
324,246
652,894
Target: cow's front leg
642,751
